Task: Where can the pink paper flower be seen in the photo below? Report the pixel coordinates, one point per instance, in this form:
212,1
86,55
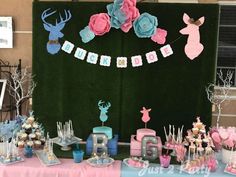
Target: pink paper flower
131,12
160,36
100,24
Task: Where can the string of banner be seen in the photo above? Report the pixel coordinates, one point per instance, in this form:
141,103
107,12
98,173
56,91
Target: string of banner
121,62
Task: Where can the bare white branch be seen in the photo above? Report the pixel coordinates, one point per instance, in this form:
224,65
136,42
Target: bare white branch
21,86
219,95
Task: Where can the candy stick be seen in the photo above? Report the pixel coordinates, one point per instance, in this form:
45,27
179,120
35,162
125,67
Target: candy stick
173,137
71,127
165,133
182,132
178,136
189,153
169,130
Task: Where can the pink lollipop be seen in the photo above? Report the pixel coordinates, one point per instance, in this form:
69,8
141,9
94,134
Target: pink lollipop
216,137
233,136
223,134
231,129
229,142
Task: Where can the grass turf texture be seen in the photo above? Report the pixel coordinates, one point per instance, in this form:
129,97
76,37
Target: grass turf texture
174,87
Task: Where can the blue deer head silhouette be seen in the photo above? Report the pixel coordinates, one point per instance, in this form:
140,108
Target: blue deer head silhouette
104,109
53,45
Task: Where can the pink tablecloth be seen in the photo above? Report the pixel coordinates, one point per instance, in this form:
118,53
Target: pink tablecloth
33,168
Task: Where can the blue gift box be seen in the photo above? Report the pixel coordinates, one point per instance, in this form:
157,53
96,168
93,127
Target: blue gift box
112,145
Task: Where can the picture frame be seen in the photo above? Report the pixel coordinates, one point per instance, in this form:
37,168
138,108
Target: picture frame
6,32
3,83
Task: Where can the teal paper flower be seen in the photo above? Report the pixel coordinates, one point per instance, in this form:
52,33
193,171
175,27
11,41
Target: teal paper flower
145,26
117,16
86,34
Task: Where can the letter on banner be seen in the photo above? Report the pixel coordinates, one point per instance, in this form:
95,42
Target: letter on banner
92,58
67,47
136,61
151,57
121,62
166,50
100,141
105,60
80,53
149,153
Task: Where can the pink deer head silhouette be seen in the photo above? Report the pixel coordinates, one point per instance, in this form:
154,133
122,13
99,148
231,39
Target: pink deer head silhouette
193,48
145,112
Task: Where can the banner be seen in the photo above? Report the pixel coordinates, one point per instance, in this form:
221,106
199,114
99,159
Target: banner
121,62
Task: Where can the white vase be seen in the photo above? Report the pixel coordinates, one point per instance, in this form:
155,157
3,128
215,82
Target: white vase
227,155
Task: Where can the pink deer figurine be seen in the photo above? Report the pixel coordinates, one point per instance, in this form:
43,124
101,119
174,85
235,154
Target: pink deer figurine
193,48
145,117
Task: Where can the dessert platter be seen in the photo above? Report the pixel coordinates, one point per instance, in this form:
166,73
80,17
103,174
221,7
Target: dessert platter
9,153
100,161
136,162
46,156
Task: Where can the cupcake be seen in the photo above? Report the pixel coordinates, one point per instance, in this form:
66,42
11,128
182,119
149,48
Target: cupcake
202,131
30,143
18,134
21,144
30,120
32,136
195,131
42,141
199,124
23,126
23,136
38,135
37,144
35,125
28,128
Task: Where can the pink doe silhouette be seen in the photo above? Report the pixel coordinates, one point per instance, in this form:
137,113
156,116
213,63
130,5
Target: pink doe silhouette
145,117
193,48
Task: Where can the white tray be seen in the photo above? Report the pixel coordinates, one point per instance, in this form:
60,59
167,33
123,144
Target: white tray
9,163
44,160
73,140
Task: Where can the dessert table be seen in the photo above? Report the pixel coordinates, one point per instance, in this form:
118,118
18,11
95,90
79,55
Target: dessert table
32,167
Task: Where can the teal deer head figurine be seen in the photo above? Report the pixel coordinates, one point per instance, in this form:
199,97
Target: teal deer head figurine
103,110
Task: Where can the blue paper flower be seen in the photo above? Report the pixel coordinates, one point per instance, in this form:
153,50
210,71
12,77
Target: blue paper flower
86,34
145,26
117,16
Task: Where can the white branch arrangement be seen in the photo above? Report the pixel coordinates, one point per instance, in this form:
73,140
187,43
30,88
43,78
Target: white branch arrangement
218,98
21,86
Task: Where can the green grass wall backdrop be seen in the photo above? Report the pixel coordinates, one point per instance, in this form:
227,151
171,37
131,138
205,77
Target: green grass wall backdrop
174,87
